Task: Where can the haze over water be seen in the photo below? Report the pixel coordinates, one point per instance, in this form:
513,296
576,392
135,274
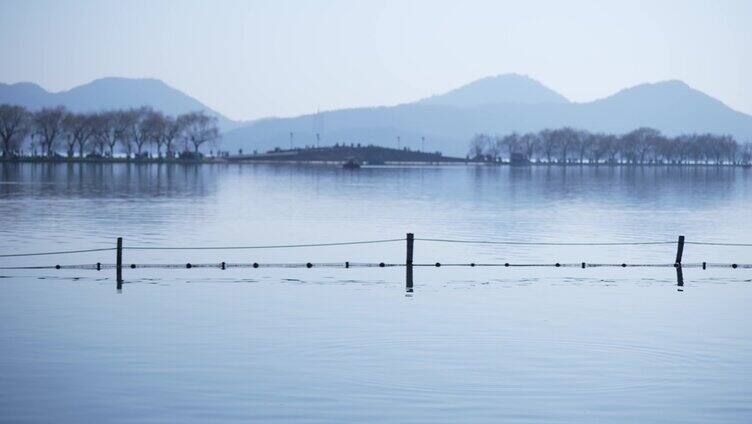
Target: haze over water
344,345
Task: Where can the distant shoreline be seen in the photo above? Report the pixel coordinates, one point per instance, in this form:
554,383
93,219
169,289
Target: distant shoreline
267,161
42,159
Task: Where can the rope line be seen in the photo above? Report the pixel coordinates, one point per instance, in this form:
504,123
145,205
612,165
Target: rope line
524,243
272,246
718,244
64,252
350,243
224,265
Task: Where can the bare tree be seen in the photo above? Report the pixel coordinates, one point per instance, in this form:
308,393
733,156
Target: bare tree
746,153
154,124
125,122
15,123
48,125
548,143
565,140
78,129
529,144
173,131
640,143
199,128
494,148
510,142
105,131
478,145
141,130
583,142
594,146
612,147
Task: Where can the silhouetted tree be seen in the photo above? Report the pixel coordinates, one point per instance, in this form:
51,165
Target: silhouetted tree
48,125
105,131
529,143
510,142
199,129
565,139
548,144
640,143
173,130
141,129
494,149
125,123
746,154
78,130
641,146
154,124
15,124
478,145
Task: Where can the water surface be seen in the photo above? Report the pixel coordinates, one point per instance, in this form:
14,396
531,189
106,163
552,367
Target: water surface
335,345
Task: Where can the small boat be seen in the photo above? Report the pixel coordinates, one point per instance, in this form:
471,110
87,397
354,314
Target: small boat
351,164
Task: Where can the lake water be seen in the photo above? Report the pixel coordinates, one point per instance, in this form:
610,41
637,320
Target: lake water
351,345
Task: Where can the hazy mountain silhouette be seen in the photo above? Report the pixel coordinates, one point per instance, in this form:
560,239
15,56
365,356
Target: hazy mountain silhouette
110,93
509,88
495,105
671,106
449,121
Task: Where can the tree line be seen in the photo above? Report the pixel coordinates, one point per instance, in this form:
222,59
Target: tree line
638,147
137,133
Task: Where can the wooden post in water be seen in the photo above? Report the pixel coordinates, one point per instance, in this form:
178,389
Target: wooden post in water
679,277
678,264
119,262
679,250
409,263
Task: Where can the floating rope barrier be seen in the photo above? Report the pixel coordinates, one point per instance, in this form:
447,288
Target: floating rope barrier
409,265
228,265
351,243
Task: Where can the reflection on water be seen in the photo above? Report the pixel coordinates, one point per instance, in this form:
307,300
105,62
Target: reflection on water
357,345
73,180
549,183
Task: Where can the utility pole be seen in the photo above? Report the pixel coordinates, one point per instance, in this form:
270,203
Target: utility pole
422,142
318,139
398,142
290,140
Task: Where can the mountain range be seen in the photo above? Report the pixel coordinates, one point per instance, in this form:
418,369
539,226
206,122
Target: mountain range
111,93
494,105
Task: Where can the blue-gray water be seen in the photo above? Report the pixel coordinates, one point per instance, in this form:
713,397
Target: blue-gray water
336,345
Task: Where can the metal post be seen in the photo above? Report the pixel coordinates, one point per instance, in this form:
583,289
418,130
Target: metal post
409,263
679,250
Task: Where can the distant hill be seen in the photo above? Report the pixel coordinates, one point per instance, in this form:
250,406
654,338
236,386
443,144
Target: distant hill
110,93
671,106
509,88
494,105
449,121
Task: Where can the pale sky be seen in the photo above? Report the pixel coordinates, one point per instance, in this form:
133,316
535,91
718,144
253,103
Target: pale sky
250,59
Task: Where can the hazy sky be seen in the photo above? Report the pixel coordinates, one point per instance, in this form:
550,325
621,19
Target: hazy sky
249,59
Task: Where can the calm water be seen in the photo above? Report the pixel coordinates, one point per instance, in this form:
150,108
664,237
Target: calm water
336,345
